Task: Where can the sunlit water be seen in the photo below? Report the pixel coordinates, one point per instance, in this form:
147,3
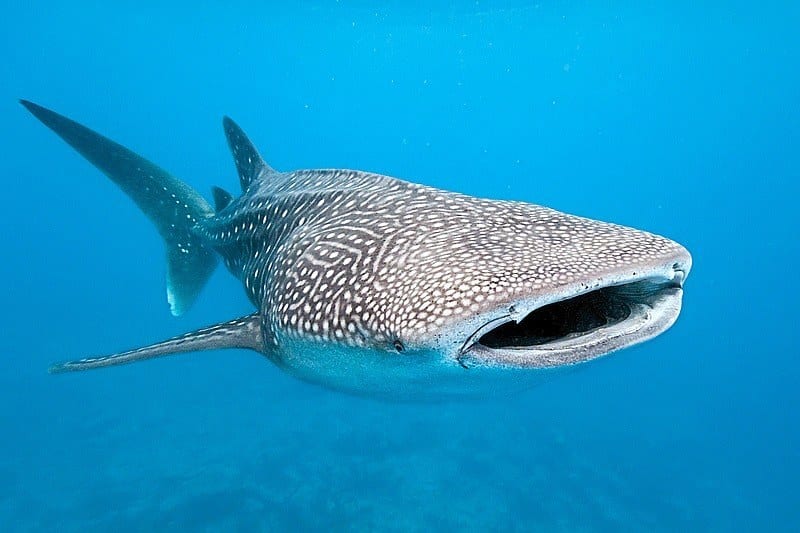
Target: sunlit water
681,120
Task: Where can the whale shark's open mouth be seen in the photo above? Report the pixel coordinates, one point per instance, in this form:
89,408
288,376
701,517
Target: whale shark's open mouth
581,327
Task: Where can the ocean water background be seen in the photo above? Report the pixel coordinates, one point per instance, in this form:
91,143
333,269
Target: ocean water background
679,119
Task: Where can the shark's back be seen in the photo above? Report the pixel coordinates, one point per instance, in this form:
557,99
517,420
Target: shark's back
369,260
254,232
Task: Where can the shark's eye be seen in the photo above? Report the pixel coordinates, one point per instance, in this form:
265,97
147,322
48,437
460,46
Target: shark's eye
398,345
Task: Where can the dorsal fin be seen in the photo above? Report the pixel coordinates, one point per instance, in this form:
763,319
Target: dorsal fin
222,198
249,162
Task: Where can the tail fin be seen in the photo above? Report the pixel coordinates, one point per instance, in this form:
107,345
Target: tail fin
173,206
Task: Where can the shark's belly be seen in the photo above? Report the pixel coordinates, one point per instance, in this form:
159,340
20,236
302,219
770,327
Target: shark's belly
409,376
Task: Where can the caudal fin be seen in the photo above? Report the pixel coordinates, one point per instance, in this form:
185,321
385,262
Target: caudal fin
172,205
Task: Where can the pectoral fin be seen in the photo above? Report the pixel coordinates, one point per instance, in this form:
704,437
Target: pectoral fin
243,332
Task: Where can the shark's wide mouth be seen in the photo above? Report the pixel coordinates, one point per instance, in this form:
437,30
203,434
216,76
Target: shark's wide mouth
581,327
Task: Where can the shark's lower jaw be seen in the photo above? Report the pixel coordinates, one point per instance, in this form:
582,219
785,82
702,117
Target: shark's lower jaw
579,328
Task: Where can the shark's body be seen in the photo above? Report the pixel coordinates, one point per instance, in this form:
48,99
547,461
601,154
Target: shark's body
371,284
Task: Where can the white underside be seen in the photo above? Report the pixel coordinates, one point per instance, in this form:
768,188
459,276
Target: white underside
407,376
457,365
424,375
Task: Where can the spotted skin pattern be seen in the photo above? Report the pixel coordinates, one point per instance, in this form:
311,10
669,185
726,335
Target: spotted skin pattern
368,260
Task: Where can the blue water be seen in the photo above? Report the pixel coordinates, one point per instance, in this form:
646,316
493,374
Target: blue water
682,120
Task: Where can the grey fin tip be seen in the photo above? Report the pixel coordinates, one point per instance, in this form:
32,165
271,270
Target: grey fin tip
61,368
42,113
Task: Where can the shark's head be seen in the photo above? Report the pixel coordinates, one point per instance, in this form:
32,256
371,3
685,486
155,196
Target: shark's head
464,283
529,287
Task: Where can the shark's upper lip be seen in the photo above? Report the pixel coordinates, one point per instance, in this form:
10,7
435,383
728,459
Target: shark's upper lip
580,324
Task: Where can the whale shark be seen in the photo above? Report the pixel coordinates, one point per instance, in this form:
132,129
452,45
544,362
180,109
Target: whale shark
371,284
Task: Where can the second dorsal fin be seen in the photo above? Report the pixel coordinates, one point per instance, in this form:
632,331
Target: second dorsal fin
222,198
249,162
